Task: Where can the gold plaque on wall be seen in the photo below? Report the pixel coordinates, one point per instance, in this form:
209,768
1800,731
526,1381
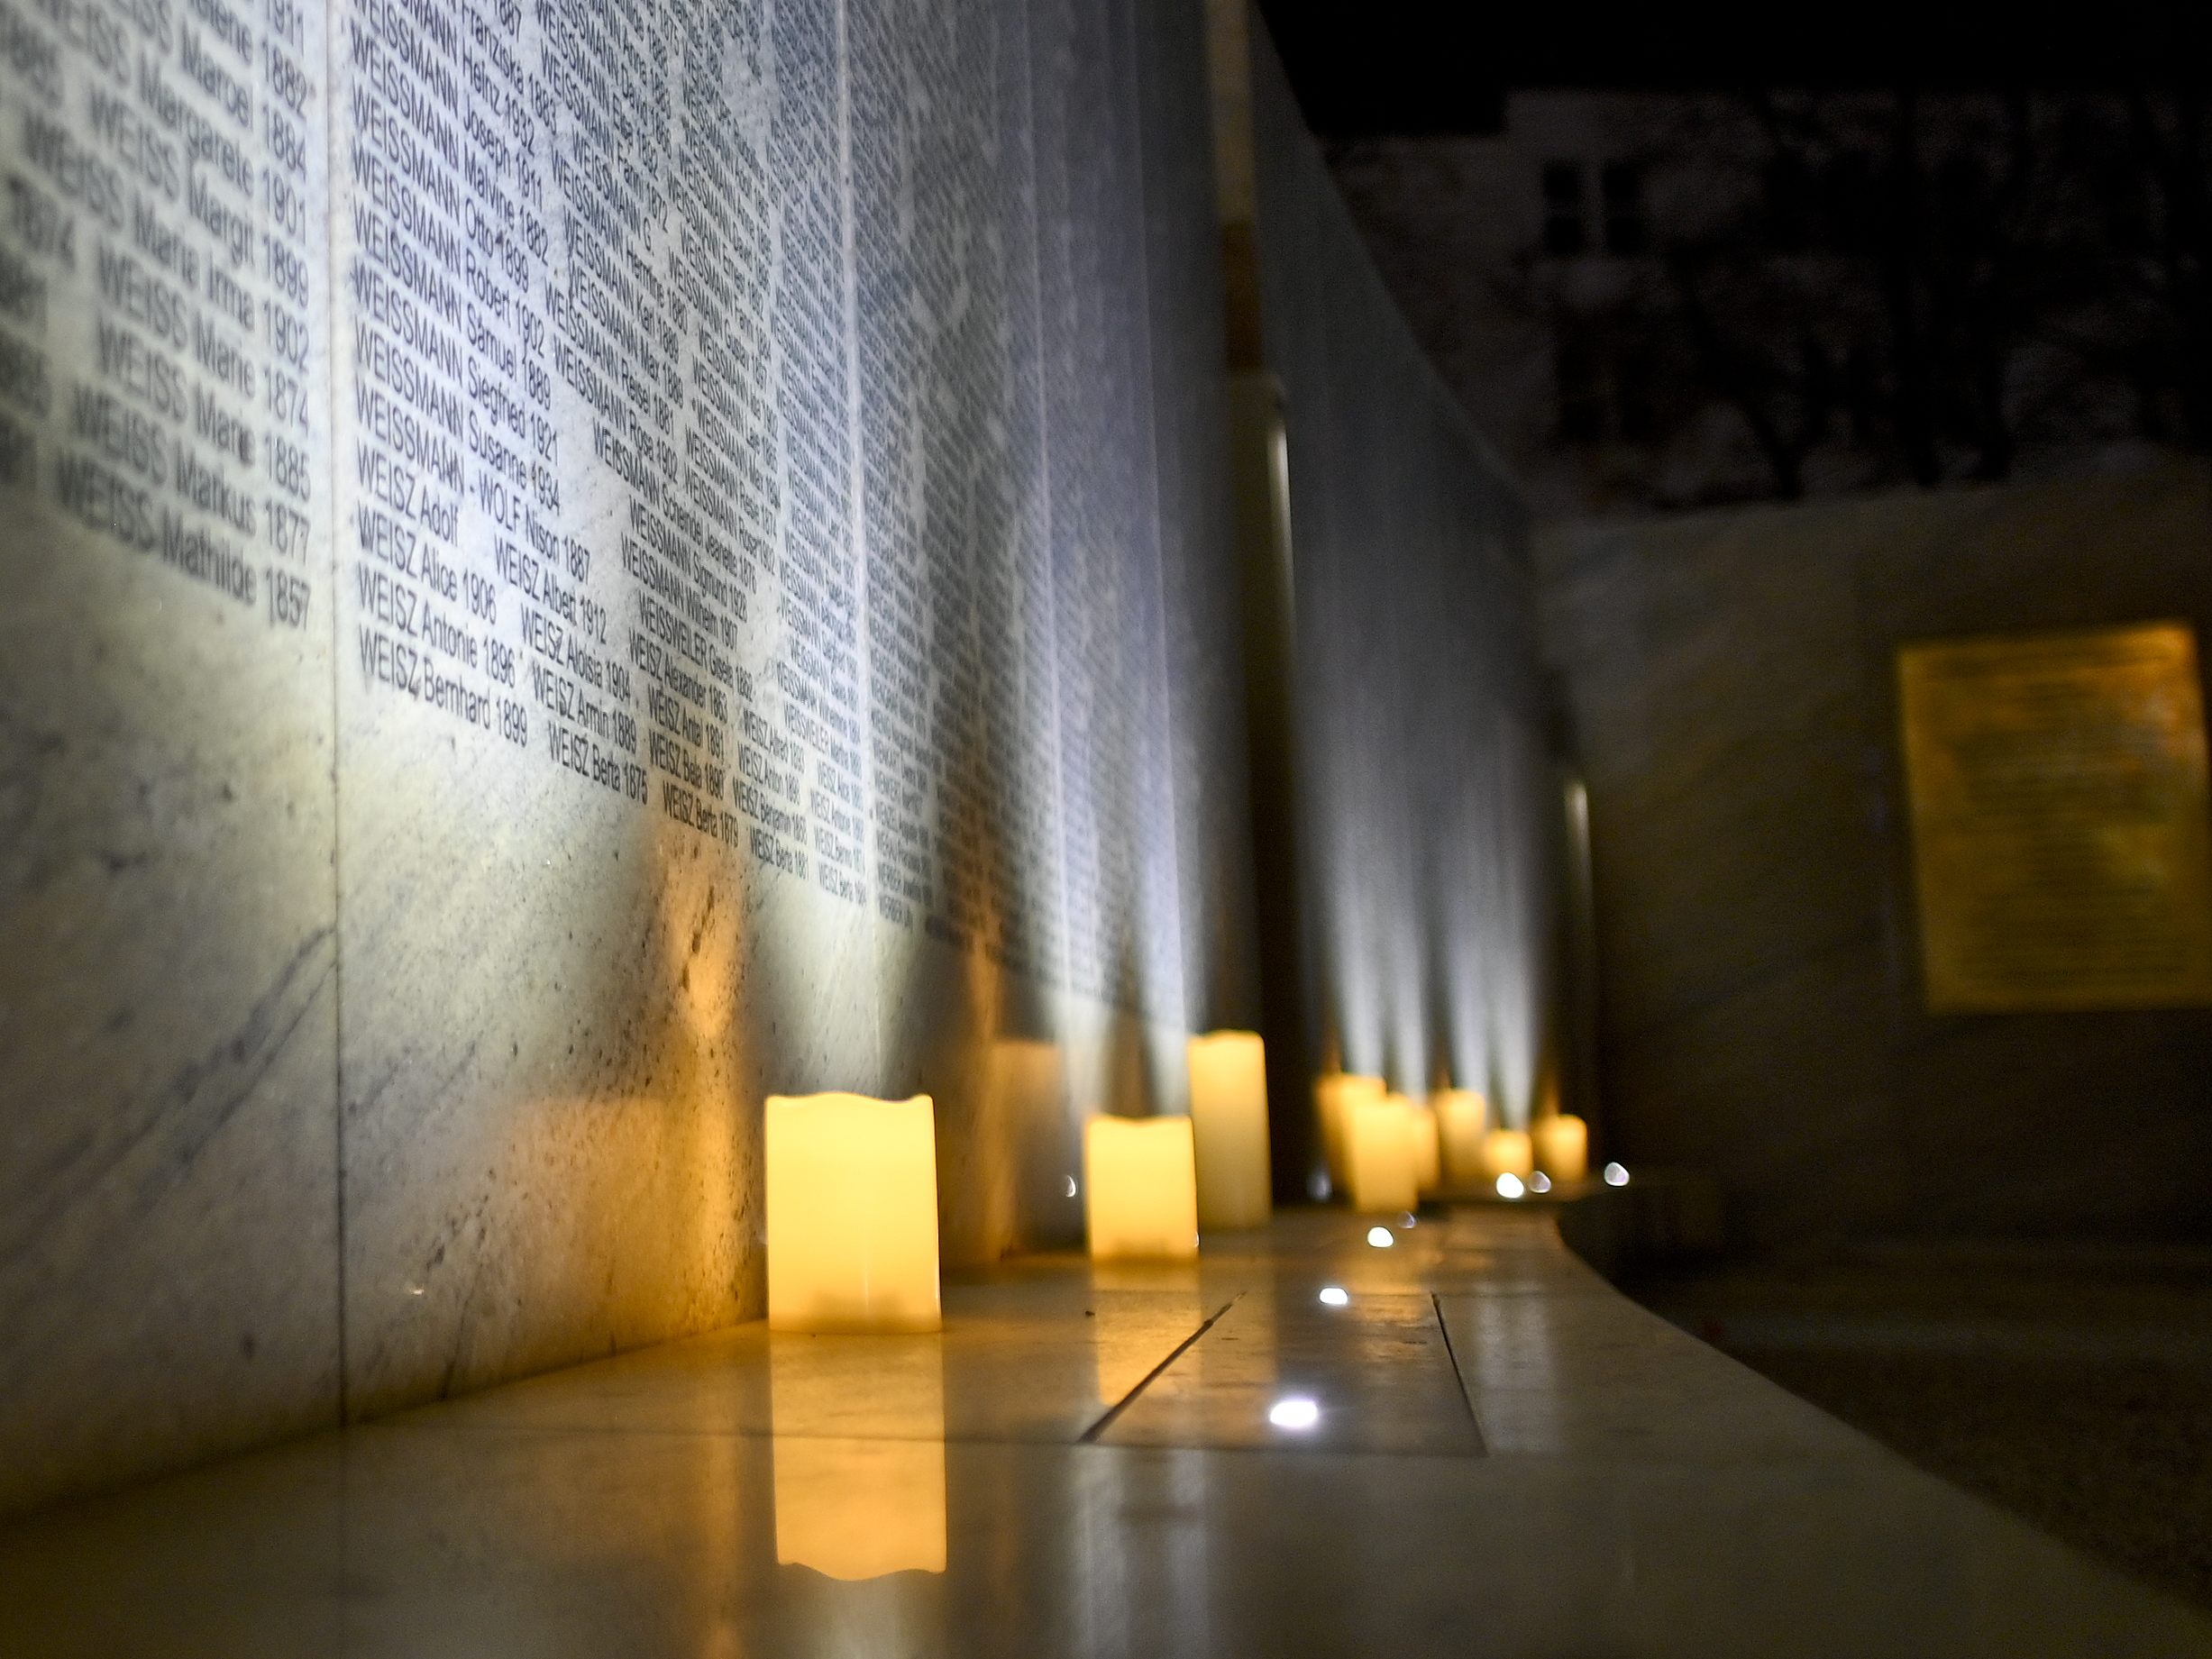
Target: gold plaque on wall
2062,838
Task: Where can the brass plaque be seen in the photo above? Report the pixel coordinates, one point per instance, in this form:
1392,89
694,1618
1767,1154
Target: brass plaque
2061,834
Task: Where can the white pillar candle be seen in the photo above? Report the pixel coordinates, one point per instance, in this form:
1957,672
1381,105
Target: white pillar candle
1140,1188
1333,1095
1378,1152
852,1214
1229,1129
1508,1152
1463,1117
1427,1148
1563,1147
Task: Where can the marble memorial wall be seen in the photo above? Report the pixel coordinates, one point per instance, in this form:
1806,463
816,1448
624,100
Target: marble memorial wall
568,565
1430,806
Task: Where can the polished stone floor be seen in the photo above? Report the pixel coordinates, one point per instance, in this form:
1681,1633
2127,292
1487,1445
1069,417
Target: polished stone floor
1483,1450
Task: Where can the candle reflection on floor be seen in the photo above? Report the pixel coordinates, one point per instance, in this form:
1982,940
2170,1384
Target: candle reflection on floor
859,1509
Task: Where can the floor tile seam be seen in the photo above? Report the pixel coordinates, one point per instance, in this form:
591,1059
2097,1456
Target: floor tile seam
1089,1436
1467,1395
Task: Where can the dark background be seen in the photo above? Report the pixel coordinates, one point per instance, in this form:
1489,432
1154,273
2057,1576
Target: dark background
1406,67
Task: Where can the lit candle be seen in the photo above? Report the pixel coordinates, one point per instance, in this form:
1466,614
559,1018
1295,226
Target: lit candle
1427,1148
1229,1129
1378,1152
852,1214
1462,1116
1141,1187
1563,1147
1508,1152
1334,1095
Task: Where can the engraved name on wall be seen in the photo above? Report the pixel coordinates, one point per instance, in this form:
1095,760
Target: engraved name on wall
162,312
675,398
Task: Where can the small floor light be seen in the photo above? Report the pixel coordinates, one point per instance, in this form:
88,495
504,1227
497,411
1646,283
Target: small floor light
852,1214
1379,1156
1140,1188
1508,1152
1229,1129
1563,1147
1616,1175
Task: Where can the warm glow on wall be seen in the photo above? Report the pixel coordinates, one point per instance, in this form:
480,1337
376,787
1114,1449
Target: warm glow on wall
1140,1188
1508,1152
852,1214
1379,1154
1333,1095
1229,1128
1563,1147
1462,1117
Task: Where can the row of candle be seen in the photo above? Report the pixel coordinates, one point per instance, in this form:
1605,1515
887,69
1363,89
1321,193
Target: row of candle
852,1190
852,1222
1384,1150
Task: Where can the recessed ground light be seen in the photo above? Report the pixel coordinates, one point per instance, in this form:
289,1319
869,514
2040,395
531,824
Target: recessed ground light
1409,1219
1381,1237
1540,1183
1296,1412
1510,1186
1070,1190
1336,1296
1616,1175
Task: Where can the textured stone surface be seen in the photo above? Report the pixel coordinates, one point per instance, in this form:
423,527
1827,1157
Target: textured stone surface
169,1210
2071,1386
1734,692
1426,807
